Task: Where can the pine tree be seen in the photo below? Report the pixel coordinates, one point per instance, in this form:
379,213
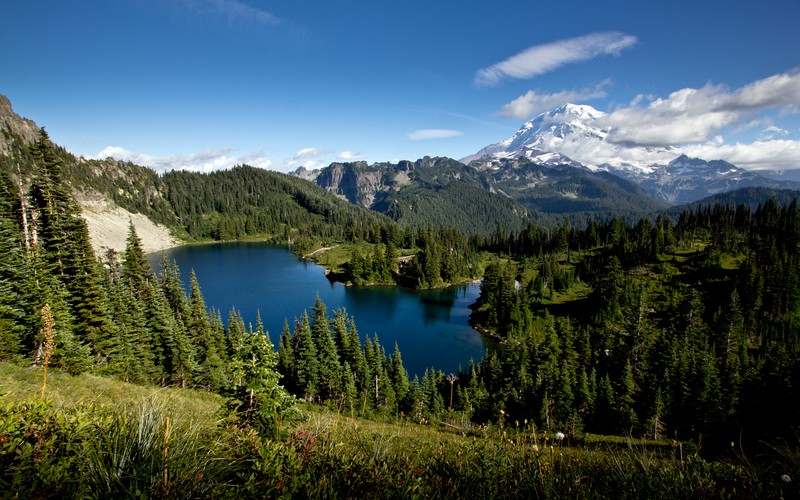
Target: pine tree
348,389
173,289
263,402
306,363
125,353
15,282
235,332
54,207
136,270
329,371
84,280
340,336
286,359
399,378
209,342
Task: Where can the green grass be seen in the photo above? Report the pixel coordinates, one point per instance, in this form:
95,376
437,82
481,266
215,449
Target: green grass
578,291
97,437
335,258
19,383
731,262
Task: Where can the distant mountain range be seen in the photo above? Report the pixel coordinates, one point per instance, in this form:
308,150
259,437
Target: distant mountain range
522,179
550,138
478,197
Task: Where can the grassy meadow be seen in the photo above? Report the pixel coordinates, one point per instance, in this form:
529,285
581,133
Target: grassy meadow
97,437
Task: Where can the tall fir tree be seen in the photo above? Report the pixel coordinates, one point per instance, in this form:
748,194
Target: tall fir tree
329,371
306,362
209,342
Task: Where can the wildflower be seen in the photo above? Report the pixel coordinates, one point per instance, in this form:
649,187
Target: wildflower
559,436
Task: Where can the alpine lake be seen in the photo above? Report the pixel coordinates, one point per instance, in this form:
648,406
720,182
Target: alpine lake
431,327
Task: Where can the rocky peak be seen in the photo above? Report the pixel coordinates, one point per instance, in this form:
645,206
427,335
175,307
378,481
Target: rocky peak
24,128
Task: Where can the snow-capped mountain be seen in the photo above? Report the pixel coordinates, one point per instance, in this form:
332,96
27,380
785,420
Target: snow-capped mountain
540,139
576,135
687,179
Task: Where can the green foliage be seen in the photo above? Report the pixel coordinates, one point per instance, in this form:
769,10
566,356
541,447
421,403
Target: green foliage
261,403
673,337
247,201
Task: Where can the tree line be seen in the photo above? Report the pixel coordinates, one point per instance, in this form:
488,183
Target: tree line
664,329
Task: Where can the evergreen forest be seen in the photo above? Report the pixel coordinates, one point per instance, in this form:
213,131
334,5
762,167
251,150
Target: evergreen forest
643,357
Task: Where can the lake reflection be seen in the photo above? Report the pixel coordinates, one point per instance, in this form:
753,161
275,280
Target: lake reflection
430,327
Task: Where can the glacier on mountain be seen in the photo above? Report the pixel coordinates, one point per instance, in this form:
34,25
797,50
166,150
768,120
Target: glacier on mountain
578,136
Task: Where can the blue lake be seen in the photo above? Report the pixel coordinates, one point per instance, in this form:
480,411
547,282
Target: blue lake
430,327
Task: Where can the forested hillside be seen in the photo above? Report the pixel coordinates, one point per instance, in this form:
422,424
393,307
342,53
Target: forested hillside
443,191
243,202
686,330
247,201
429,191
63,308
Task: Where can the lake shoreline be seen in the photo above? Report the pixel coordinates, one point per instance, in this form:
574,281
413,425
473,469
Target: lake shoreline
431,327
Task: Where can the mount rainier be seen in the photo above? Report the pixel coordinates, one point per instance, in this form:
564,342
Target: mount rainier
576,135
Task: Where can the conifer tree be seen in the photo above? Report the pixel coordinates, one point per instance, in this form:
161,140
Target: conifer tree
173,289
236,331
329,373
348,389
355,356
399,378
340,336
263,401
306,364
125,353
53,205
286,359
209,342
136,270
15,281
84,280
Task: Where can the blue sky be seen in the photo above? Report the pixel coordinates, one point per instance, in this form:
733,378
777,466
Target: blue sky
205,84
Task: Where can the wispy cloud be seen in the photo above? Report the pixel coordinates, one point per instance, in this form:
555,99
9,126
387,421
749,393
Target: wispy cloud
233,11
540,59
694,115
776,154
772,132
349,156
204,161
432,133
533,102
306,157
307,153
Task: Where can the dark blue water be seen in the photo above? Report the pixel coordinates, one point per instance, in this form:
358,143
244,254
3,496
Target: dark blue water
430,327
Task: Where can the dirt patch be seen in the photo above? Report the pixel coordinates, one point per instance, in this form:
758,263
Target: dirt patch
108,226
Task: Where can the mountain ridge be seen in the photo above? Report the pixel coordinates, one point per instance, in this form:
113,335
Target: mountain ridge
664,173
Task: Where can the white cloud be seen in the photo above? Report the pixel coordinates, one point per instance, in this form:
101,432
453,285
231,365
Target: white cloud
233,10
779,154
306,157
349,156
693,115
533,102
772,132
771,92
307,153
204,161
432,133
540,59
